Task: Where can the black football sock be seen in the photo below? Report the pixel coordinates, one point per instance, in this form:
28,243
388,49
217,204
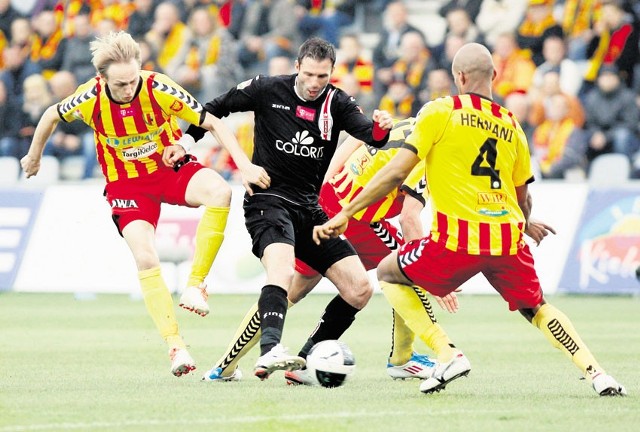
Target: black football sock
335,320
272,307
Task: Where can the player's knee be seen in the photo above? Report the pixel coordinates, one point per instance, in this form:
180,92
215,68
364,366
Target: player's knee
385,271
359,295
218,194
146,260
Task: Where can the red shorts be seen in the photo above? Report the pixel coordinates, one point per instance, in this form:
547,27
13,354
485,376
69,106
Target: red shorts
372,241
440,271
140,198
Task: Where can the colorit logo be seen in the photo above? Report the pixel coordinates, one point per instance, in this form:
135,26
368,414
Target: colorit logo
301,145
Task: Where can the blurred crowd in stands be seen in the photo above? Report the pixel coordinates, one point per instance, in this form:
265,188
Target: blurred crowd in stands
568,70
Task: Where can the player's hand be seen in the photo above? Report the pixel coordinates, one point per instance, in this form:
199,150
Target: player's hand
449,302
383,118
173,154
538,231
330,229
30,165
254,175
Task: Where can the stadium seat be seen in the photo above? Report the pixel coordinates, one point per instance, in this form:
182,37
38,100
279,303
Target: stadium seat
611,169
432,25
72,168
9,170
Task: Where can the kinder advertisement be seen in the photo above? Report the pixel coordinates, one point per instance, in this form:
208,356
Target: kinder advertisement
606,248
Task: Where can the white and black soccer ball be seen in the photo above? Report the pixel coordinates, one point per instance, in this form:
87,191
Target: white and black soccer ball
331,362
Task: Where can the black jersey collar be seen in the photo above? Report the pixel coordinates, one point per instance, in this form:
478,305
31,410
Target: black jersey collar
480,96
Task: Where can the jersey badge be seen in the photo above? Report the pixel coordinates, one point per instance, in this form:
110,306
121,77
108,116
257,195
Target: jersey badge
177,105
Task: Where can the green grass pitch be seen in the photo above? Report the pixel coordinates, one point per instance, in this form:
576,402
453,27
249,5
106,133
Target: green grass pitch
99,365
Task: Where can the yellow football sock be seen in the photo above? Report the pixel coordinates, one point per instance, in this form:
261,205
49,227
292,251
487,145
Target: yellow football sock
209,236
558,329
245,338
414,307
160,306
401,340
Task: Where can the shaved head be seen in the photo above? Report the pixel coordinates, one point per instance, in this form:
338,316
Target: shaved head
473,57
473,69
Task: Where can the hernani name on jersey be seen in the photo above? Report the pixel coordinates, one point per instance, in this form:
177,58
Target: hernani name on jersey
477,122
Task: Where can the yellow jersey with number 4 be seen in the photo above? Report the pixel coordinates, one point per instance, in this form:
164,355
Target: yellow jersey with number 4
476,154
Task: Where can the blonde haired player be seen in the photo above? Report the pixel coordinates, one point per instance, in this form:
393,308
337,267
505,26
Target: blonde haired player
478,169
134,115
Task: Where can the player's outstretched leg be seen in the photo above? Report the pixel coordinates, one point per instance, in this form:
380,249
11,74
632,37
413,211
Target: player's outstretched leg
413,305
559,330
245,338
160,306
209,237
403,362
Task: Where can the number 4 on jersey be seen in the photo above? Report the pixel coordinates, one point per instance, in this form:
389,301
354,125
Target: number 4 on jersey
489,154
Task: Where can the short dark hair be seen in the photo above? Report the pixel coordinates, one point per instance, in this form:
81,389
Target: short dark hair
317,49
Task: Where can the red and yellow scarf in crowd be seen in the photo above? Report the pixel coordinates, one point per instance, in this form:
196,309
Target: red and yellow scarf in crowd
172,44
579,16
609,49
413,72
532,29
193,60
552,137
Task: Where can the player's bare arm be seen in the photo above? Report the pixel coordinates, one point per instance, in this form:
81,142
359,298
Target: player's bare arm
381,184
251,174
344,150
409,219
47,124
525,201
537,230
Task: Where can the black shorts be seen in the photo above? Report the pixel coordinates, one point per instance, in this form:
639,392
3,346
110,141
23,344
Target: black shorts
271,219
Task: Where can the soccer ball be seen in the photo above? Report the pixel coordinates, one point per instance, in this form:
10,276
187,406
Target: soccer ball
330,362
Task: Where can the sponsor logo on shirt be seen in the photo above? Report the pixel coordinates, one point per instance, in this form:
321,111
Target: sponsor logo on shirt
126,112
145,150
133,139
305,113
357,167
301,145
282,107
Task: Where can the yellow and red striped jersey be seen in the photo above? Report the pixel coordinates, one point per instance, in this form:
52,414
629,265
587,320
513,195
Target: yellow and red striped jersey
365,162
476,155
130,138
